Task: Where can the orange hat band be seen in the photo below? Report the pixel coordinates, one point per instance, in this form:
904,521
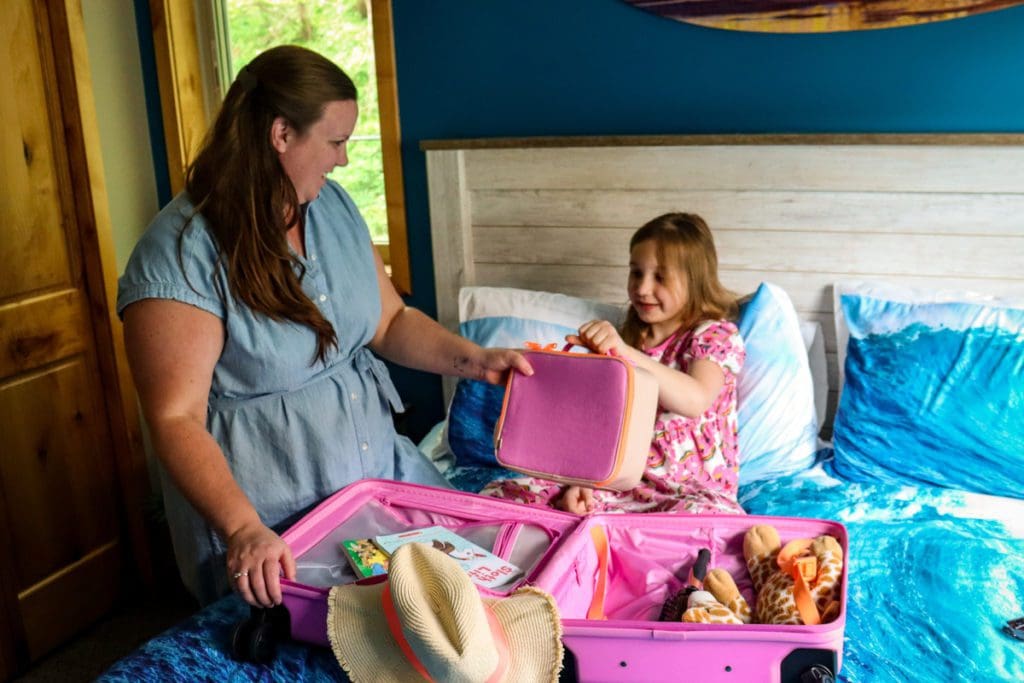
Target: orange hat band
395,625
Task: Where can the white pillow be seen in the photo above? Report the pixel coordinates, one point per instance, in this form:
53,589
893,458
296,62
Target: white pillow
778,421
530,306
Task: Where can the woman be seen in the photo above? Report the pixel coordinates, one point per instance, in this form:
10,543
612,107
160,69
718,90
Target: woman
250,308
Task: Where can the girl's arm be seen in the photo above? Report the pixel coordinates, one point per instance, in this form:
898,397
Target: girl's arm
408,337
172,349
685,393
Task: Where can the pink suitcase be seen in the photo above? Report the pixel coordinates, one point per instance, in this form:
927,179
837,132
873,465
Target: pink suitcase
648,558
580,418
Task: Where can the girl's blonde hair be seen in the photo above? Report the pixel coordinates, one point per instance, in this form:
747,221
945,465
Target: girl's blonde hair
685,246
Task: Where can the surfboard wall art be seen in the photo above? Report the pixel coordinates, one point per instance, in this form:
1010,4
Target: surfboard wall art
802,16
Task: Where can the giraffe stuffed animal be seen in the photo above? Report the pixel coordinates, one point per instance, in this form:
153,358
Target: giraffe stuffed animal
794,584
720,602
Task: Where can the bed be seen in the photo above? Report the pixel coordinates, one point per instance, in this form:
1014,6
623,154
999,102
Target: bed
884,385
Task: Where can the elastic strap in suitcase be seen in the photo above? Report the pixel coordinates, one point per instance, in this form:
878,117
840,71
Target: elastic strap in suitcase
600,540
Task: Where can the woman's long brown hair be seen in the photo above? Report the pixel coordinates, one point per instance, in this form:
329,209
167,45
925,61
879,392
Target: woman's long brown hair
686,249
238,184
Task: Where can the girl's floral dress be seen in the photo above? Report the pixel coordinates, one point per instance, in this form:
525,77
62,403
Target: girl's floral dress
693,464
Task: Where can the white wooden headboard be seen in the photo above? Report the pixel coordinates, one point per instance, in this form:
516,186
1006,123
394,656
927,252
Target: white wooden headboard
942,211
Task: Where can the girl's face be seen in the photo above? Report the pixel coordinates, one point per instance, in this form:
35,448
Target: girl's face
657,293
308,158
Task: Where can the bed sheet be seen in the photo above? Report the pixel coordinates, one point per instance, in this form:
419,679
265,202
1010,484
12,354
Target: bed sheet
934,574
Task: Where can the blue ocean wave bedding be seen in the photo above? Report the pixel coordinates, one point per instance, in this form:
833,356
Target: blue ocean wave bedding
934,394
933,575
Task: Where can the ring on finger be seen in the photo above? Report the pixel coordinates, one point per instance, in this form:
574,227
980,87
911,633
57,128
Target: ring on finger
238,575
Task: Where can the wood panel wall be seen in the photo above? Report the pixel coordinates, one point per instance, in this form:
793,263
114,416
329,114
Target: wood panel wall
937,211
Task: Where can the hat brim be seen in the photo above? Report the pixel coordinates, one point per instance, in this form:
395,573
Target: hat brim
367,651
360,637
533,631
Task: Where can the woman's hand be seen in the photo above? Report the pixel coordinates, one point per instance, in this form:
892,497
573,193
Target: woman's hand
600,336
578,500
256,555
494,365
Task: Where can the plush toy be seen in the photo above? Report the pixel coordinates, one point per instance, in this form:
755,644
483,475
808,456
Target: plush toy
674,607
719,603
709,597
795,584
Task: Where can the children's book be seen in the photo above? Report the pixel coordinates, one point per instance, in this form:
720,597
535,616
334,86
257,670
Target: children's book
484,568
365,557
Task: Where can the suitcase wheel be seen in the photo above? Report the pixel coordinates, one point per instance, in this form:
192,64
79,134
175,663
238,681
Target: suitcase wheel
255,638
817,674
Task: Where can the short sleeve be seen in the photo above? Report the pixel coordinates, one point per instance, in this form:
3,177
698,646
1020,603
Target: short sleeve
175,259
719,341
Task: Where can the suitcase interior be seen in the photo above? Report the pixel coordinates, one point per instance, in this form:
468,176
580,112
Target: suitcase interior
649,558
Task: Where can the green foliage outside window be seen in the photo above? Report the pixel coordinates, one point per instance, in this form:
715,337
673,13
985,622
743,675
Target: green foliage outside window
341,31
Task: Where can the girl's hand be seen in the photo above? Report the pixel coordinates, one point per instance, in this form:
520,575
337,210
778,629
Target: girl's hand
578,500
600,336
256,555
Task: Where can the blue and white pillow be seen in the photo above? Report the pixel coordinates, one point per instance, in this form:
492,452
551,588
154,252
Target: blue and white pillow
778,422
507,317
933,388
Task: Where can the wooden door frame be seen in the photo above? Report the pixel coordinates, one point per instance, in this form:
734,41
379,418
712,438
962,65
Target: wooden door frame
91,213
179,71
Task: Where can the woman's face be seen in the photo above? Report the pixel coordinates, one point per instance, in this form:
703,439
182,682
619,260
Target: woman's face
308,158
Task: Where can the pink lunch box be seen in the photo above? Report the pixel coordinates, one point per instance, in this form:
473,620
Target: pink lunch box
621,566
580,418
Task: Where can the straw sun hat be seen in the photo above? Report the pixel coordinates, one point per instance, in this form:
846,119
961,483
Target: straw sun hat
427,621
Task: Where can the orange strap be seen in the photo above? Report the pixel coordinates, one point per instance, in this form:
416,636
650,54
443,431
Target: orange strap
500,644
600,539
395,625
795,560
396,632
534,346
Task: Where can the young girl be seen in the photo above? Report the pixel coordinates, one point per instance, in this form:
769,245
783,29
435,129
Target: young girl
678,327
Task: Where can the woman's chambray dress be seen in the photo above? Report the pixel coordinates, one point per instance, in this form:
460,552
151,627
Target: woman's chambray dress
292,432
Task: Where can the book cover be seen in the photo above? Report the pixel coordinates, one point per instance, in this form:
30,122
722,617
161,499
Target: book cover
365,557
484,568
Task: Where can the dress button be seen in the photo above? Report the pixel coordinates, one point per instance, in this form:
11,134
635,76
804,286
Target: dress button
365,446
323,297
353,395
312,257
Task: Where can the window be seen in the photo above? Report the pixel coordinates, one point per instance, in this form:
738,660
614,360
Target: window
355,34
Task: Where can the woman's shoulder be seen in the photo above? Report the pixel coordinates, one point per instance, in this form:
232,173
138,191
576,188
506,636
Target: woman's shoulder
334,209
174,259
177,225
333,197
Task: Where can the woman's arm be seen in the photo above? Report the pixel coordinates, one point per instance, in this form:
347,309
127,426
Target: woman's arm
408,337
685,393
172,349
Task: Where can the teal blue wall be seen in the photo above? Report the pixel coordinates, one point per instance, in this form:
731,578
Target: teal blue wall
480,68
